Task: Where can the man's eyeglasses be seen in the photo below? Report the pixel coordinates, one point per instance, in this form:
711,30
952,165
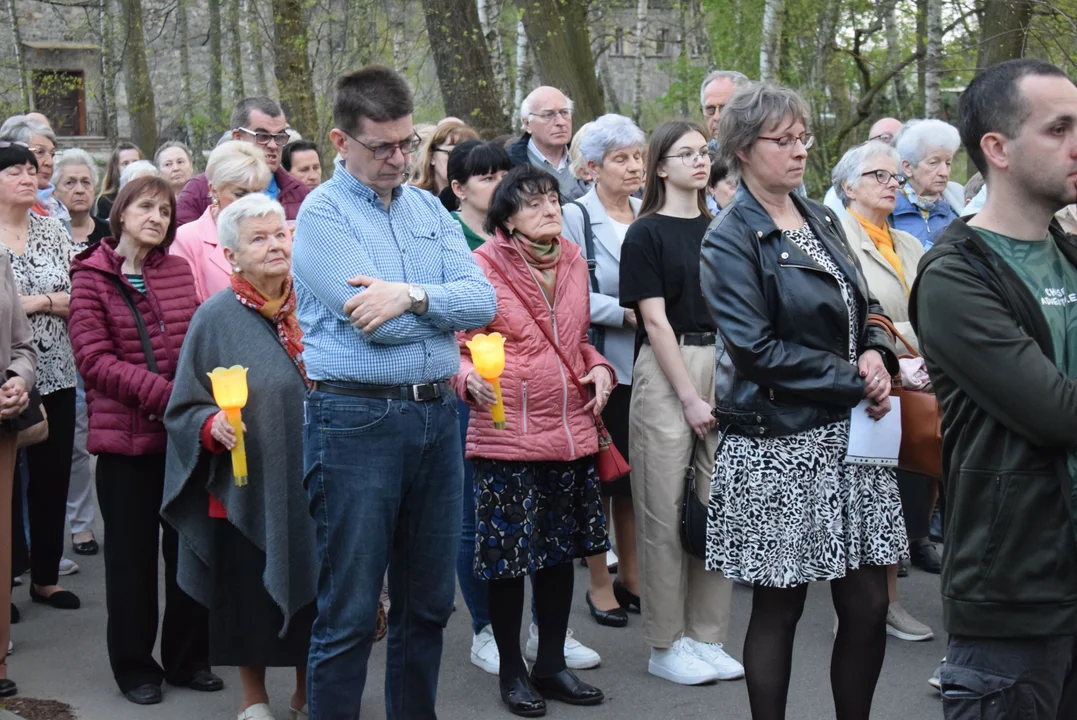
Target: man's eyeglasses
550,115
384,152
883,177
262,138
882,137
787,142
689,158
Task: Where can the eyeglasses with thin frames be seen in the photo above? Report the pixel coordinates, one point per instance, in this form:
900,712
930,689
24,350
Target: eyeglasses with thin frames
786,143
689,158
384,152
550,115
262,137
883,177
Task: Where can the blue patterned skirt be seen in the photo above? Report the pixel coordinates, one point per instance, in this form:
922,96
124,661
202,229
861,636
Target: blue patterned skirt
532,515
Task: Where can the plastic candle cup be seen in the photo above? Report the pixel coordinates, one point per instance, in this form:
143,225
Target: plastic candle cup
488,356
230,394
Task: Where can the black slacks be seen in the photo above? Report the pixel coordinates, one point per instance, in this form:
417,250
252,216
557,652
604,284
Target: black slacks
129,491
49,465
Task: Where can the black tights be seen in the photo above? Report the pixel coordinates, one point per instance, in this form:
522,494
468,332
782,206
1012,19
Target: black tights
553,602
861,600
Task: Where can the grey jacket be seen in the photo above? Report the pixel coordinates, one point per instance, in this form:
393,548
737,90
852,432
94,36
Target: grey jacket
606,308
17,354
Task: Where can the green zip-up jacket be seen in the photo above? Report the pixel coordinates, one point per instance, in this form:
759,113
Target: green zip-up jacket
1009,420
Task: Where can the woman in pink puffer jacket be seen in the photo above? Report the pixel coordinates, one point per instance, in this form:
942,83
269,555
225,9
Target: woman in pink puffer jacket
538,502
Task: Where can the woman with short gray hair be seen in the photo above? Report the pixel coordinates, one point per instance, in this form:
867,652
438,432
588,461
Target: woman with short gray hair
235,169
612,152
174,161
76,187
927,150
797,355
251,558
41,141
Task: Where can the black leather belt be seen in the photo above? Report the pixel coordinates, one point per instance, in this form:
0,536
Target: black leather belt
426,392
691,339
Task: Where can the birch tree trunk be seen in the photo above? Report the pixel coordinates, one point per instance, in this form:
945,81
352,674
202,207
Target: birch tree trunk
20,59
185,69
136,76
254,47
396,30
893,57
490,20
216,59
921,48
523,68
933,68
683,61
770,46
108,71
235,51
641,58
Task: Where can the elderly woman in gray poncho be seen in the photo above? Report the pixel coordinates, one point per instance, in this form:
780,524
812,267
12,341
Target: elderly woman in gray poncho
248,553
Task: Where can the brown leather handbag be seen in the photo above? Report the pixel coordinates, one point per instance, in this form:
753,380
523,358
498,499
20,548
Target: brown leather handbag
921,419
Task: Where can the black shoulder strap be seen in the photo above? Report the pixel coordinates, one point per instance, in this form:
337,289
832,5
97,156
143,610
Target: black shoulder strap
143,334
589,246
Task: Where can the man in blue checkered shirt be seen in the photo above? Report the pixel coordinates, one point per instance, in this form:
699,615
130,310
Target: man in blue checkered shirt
384,279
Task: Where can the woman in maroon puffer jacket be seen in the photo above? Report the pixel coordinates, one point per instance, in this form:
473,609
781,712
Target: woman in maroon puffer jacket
127,389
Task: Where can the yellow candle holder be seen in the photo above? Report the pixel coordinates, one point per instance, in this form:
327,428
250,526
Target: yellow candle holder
230,394
488,357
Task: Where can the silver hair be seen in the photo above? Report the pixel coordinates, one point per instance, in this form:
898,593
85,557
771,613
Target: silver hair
853,164
137,169
230,221
737,78
576,163
19,128
528,105
608,133
168,146
237,163
74,157
754,107
918,138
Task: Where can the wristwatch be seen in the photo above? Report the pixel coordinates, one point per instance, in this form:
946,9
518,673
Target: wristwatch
418,297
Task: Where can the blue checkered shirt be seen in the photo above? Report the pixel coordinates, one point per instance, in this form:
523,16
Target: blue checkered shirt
344,230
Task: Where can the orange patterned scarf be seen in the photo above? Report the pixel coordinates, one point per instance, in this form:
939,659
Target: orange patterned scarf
280,312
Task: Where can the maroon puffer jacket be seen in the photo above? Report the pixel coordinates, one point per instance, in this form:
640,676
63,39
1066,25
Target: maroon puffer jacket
121,392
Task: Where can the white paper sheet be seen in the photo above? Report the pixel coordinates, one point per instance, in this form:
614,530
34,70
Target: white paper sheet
871,442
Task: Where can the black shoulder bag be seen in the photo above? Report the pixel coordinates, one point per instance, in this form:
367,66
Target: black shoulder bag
143,334
693,511
596,334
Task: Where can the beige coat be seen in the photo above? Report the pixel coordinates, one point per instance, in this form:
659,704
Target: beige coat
883,280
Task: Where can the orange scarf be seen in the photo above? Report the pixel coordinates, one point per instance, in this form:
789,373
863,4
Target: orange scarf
884,243
280,312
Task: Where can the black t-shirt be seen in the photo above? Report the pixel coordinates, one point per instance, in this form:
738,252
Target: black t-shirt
100,231
660,259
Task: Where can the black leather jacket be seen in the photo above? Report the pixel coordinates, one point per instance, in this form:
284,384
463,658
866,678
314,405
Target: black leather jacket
782,364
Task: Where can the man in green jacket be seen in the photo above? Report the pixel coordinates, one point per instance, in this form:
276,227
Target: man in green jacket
995,308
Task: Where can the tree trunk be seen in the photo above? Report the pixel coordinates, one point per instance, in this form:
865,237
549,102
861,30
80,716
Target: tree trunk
108,71
561,43
216,60
1004,27
770,47
921,49
294,78
893,57
490,21
683,60
20,60
641,60
933,66
699,22
523,68
236,51
136,75
185,70
396,27
613,103
254,46
468,87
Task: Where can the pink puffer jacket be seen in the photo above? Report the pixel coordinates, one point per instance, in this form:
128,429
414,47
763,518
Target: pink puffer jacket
543,409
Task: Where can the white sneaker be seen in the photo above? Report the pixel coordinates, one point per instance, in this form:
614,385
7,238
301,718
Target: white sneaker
484,654
713,654
68,567
904,626
934,681
678,665
256,712
577,655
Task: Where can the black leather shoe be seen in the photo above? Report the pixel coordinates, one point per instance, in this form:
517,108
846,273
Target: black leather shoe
90,547
522,698
617,617
903,569
8,688
625,597
925,556
567,688
202,681
148,694
15,615
61,599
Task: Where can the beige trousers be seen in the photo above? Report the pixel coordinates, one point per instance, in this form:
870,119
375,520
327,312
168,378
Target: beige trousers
679,596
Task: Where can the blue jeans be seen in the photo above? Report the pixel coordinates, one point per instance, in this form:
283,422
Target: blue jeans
472,588
384,483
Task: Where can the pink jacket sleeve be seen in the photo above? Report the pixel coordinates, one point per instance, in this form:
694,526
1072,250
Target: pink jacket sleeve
98,362
187,246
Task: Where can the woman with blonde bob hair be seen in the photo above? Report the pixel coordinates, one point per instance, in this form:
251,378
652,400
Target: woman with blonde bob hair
235,169
431,171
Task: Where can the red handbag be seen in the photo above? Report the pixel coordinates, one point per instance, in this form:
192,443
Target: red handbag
610,464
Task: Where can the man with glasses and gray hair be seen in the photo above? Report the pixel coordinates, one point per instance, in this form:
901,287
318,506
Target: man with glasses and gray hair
546,119
383,279
717,88
258,120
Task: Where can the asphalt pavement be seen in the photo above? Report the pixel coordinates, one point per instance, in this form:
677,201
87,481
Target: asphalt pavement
61,655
